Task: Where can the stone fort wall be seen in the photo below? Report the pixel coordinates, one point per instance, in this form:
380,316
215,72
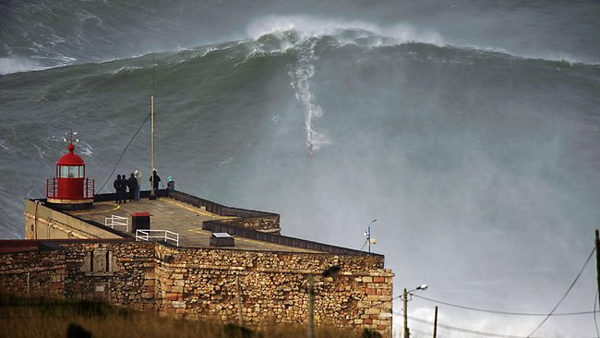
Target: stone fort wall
201,282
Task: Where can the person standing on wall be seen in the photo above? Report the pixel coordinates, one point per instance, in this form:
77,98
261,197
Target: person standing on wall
132,184
170,183
154,180
117,186
123,188
138,177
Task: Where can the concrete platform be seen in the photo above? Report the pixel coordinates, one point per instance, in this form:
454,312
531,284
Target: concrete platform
181,218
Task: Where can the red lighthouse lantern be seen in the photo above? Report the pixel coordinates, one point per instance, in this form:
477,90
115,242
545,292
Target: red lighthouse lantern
70,189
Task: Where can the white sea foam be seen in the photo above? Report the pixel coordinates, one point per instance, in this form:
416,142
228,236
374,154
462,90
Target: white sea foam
301,74
396,34
125,69
6,148
85,148
16,65
304,25
312,26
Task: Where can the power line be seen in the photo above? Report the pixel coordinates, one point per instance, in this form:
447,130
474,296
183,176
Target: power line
565,294
505,312
464,330
461,329
123,153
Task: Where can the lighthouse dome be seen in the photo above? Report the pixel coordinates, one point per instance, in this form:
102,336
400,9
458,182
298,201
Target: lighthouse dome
70,158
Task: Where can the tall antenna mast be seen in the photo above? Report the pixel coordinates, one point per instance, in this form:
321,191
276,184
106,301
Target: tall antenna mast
152,192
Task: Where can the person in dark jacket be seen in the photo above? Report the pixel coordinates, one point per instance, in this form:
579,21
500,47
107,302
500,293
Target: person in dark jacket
170,183
123,188
132,184
155,181
117,186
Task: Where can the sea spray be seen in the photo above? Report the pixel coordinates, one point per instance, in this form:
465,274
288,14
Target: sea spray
301,74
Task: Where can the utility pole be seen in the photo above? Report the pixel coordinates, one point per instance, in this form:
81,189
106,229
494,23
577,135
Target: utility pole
405,301
152,192
435,323
311,306
597,262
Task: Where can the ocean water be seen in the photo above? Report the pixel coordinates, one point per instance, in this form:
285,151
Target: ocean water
469,130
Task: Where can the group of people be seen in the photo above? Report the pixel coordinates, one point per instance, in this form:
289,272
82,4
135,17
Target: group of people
133,183
122,183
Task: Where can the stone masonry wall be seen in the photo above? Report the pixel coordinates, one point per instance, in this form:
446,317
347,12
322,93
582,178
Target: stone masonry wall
273,287
202,282
268,224
35,272
121,273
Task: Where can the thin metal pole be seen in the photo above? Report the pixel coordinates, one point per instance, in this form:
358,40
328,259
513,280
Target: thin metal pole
239,301
28,283
311,306
405,302
152,192
597,261
435,323
369,236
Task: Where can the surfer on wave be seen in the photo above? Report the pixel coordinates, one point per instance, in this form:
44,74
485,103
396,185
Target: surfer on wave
310,147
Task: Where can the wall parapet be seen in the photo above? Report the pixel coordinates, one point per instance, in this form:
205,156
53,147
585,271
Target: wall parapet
220,226
250,219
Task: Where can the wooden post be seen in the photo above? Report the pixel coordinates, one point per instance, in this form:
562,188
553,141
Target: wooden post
435,323
405,302
28,282
311,306
239,301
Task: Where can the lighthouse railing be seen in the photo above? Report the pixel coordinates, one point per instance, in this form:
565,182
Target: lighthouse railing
51,187
89,188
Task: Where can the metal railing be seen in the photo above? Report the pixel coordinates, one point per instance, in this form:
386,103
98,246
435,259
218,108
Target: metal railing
115,220
164,235
52,188
89,191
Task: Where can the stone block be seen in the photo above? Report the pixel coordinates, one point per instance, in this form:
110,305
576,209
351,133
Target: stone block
377,298
171,296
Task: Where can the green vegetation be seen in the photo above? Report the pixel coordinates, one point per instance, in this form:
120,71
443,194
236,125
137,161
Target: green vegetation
22,317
